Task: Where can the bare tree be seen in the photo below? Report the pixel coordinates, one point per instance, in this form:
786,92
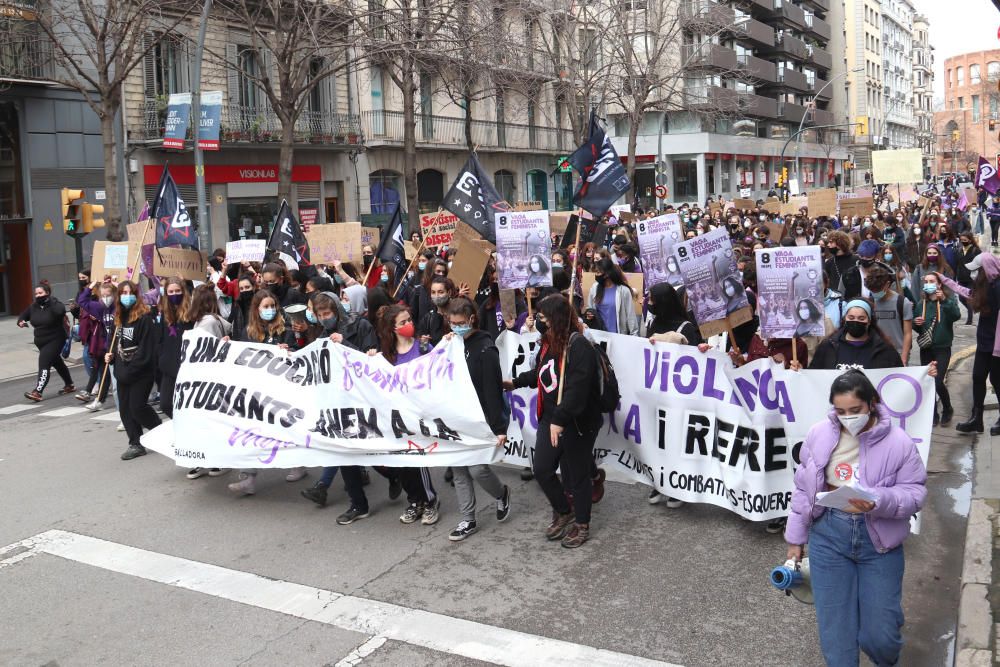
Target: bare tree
96,45
306,43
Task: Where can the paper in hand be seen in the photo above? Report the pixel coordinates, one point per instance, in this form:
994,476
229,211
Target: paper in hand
841,498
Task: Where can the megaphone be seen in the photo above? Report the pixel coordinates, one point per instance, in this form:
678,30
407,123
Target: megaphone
793,579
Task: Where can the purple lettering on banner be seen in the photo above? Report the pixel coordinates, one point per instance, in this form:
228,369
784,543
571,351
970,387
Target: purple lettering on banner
682,362
918,396
421,372
748,391
709,389
651,360
517,408
249,437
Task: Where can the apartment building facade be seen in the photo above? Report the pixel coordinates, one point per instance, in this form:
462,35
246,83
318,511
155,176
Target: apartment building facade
968,125
897,73
770,67
923,90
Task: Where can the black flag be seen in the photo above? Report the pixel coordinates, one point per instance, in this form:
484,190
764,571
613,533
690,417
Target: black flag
390,247
475,200
173,224
288,240
591,231
604,177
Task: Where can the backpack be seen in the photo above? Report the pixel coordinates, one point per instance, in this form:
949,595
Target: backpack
607,387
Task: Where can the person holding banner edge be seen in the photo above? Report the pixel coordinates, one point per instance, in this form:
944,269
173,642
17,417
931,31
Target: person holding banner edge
856,554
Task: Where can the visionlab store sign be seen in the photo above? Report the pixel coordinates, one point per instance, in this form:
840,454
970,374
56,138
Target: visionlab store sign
234,173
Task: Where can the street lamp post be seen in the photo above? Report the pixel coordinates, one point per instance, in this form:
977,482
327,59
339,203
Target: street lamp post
798,134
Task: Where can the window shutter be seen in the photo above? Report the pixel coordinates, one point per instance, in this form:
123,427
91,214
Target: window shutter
185,51
233,74
148,68
329,97
267,66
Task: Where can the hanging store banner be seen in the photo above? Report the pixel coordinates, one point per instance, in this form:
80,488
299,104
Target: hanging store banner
211,118
175,125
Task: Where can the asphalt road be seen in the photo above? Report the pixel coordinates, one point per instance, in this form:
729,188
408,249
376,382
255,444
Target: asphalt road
685,586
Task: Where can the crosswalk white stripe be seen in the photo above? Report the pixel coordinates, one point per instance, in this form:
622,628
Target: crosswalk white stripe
437,632
64,412
107,417
14,409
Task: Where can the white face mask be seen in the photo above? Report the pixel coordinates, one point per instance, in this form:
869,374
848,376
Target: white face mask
854,424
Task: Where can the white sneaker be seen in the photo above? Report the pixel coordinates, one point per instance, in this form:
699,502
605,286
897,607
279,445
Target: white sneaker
673,503
655,497
95,406
246,486
121,427
295,474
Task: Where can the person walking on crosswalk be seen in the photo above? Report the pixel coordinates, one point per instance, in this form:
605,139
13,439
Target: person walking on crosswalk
48,317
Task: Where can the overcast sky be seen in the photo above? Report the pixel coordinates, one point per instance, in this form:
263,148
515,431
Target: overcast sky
959,26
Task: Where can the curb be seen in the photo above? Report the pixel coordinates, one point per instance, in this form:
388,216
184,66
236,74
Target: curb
975,633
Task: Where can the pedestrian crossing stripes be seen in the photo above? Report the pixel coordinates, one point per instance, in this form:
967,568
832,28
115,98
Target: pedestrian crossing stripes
64,412
15,409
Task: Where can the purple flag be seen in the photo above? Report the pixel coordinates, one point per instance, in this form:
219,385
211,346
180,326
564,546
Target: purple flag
986,176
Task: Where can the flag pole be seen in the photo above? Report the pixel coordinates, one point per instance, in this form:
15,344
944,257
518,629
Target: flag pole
114,337
576,256
415,256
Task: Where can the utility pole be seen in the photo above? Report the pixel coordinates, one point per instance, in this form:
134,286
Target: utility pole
204,225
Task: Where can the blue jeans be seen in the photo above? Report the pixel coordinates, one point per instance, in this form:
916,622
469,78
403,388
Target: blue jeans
858,592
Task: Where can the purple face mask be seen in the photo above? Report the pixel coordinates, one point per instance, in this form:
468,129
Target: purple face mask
175,299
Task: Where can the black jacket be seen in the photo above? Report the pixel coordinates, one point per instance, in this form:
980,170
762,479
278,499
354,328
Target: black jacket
169,357
47,321
432,324
833,353
963,276
420,302
139,341
853,281
579,403
358,332
483,360
837,268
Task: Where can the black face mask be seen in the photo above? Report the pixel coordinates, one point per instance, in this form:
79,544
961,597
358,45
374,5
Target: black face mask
279,290
855,328
368,259
866,262
83,283
541,327
41,300
246,298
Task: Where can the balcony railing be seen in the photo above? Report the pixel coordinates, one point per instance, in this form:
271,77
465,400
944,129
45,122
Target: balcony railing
240,124
388,126
709,55
757,68
25,53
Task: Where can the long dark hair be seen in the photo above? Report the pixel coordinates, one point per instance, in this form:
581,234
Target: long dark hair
386,330
980,297
608,269
667,308
562,321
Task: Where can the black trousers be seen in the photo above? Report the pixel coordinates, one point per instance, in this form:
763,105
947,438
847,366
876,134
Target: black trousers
95,378
942,355
167,383
574,458
49,357
354,482
984,365
134,408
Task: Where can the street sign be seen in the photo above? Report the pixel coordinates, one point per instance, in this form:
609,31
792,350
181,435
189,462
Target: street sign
99,195
661,191
661,179
660,167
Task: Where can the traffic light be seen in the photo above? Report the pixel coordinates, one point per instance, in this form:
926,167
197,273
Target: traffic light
71,212
954,135
862,123
92,217
784,175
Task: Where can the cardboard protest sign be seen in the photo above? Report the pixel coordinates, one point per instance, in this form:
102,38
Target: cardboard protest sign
336,241
790,292
523,249
111,259
186,263
371,236
508,304
657,237
438,228
714,287
903,165
794,205
471,257
775,231
745,204
856,207
559,221
714,206
141,242
772,206
822,202
409,250
247,250
528,206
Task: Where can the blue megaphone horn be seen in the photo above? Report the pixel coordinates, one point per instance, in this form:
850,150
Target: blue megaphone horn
793,579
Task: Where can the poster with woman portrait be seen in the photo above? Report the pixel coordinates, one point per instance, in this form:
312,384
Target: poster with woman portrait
714,287
790,292
657,238
524,249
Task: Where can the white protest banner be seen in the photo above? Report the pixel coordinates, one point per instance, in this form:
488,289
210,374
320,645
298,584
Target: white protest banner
523,249
790,292
248,250
714,287
904,165
695,428
657,237
246,405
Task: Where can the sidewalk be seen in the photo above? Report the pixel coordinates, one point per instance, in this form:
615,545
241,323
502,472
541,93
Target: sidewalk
19,357
978,634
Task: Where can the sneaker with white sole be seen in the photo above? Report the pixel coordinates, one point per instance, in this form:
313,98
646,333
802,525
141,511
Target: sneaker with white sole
246,486
195,473
412,513
295,474
83,396
776,526
217,472
462,531
503,506
432,513
674,503
95,406
120,428
655,497
351,515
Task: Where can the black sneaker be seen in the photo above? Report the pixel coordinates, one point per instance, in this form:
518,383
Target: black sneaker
395,488
133,451
315,493
412,513
503,506
462,531
527,475
776,526
351,515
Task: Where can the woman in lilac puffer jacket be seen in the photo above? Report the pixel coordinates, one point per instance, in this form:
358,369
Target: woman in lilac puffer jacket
856,554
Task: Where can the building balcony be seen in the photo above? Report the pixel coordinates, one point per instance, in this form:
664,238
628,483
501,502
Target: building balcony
817,85
789,14
821,57
792,46
693,12
25,53
818,5
766,5
822,117
711,56
248,125
726,100
387,127
793,113
757,68
752,30
818,27
790,78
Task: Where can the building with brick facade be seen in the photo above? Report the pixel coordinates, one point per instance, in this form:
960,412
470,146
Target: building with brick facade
962,128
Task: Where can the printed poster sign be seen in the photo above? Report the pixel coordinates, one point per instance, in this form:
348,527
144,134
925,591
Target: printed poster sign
523,249
211,117
790,292
714,287
436,229
175,125
248,250
657,237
